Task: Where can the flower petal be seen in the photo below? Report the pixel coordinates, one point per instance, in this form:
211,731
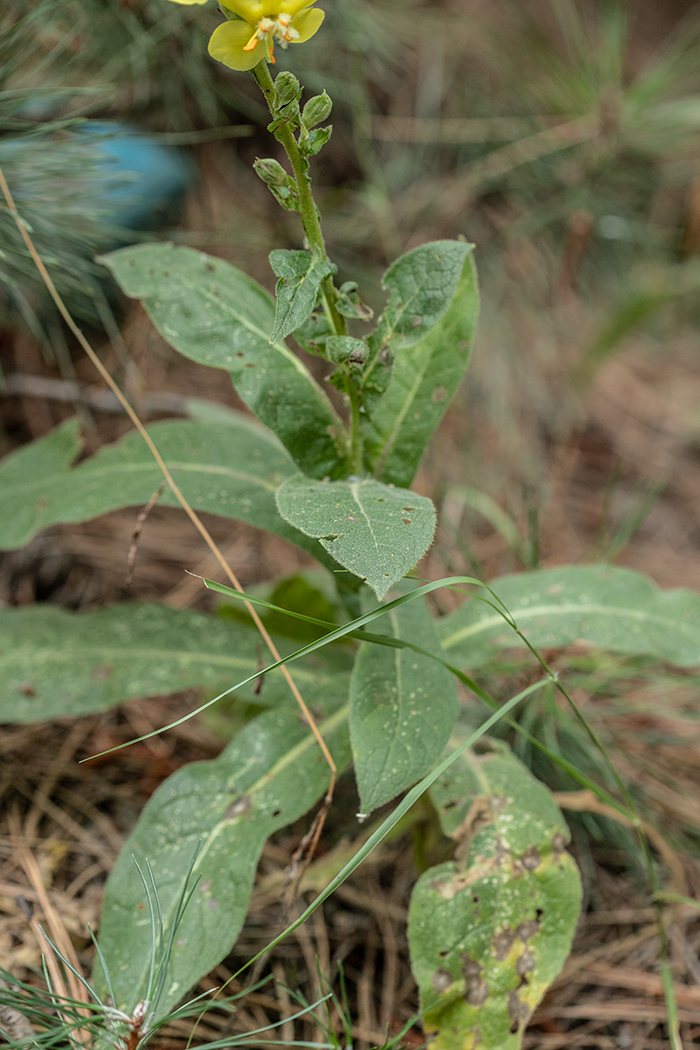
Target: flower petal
307,23
292,7
189,1
227,42
250,10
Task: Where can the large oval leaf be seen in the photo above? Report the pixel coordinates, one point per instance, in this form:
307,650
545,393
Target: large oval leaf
376,531
231,468
602,605
403,707
224,810
214,314
55,663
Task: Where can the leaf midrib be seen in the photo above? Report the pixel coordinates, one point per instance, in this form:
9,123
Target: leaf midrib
355,490
131,652
547,610
150,467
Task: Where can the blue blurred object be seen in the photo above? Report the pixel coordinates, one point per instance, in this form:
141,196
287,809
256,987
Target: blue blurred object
83,191
141,184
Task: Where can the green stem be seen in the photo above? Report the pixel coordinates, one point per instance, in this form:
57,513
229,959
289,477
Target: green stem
307,205
356,444
314,234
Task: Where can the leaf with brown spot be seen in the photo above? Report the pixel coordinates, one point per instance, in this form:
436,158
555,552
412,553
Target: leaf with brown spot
500,921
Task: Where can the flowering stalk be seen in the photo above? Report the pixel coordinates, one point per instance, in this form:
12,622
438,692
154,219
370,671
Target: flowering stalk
245,41
311,222
307,206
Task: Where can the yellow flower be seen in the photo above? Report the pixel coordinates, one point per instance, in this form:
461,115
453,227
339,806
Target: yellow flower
250,37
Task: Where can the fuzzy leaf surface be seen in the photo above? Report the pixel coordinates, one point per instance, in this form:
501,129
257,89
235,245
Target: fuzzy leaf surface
601,605
421,286
268,776
429,330
231,468
376,531
300,276
214,314
489,933
403,707
55,663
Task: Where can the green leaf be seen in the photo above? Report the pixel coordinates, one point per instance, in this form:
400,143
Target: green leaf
316,140
231,468
376,531
55,663
302,593
300,275
214,314
489,933
403,707
267,777
430,323
23,477
601,605
421,286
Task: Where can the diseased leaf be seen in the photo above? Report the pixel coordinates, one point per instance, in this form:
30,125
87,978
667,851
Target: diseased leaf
342,348
214,314
230,468
602,605
376,531
403,707
429,341
56,664
267,777
488,933
300,276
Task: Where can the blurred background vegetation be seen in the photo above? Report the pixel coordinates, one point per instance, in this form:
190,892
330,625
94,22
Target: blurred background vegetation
562,137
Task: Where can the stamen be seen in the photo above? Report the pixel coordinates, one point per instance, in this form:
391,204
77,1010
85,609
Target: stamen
269,29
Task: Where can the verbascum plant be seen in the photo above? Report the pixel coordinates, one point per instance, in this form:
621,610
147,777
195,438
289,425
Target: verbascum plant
488,930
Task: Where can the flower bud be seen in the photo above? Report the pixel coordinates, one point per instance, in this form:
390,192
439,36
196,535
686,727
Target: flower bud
342,348
316,110
270,171
287,88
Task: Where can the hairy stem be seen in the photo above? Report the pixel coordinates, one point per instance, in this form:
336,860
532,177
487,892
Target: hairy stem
307,206
311,222
356,444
